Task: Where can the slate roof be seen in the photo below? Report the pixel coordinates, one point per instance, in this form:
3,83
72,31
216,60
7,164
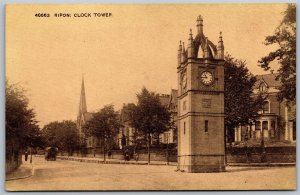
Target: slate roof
164,99
269,79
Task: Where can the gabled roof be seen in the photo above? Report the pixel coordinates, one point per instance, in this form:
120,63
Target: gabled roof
124,113
268,79
164,99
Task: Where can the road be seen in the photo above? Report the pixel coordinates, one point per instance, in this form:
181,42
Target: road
70,175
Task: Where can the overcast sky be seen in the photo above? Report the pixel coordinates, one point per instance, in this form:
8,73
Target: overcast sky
119,55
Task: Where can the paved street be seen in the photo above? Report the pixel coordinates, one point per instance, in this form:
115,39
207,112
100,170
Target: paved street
70,175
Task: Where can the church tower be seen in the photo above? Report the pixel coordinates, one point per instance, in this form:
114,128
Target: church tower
82,109
201,103
82,103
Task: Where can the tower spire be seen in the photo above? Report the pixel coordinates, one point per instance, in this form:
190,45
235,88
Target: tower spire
183,54
179,53
200,24
220,47
82,103
190,49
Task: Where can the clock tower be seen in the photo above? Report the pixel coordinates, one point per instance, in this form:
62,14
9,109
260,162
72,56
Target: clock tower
201,104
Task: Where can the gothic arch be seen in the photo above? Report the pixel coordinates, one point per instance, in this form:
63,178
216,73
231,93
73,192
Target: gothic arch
199,41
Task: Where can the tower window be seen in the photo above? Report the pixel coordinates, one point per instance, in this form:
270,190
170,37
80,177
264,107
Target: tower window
206,126
184,128
184,105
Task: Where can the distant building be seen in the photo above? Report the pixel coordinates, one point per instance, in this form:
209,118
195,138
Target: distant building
126,131
82,118
128,135
170,101
277,119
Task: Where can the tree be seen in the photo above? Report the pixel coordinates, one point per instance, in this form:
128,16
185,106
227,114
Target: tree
285,37
241,105
149,116
104,125
22,130
62,135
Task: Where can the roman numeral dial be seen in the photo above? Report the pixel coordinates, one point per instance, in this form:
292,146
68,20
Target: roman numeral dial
206,77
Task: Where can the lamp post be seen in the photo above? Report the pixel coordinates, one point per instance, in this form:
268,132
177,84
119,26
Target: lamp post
167,134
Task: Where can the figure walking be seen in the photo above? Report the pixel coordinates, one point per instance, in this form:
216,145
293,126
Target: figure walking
26,155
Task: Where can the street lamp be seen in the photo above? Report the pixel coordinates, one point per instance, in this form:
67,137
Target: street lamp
167,134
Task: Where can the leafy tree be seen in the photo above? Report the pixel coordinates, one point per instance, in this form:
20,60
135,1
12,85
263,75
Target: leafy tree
149,116
22,130
241,106
285,37
62,135
104,125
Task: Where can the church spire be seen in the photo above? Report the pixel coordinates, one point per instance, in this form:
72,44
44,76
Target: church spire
82,103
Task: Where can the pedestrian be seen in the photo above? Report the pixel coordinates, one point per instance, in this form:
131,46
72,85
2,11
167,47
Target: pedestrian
136,156
26,155
126,155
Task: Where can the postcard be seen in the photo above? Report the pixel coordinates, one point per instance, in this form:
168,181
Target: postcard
122,97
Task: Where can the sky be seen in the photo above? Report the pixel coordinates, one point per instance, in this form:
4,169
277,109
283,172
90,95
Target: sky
136,47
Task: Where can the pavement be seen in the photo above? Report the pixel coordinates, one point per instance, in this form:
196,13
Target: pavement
23,172
26,169
65,175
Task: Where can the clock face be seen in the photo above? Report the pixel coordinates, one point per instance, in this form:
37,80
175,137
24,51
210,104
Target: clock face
207,77
184,80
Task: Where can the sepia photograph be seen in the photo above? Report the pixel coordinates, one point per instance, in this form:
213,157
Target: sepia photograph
150,97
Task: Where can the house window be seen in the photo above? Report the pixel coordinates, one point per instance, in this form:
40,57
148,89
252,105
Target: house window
262,87
266,107
166,138
265,125
184,128
257,125
206,126
184,105
272,131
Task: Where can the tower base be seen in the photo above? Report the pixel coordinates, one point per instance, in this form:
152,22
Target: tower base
201,163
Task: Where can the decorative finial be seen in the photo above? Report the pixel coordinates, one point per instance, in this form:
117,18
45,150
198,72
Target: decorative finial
183,54
200,24
191,34
180,47
190,48
199,18
220,47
